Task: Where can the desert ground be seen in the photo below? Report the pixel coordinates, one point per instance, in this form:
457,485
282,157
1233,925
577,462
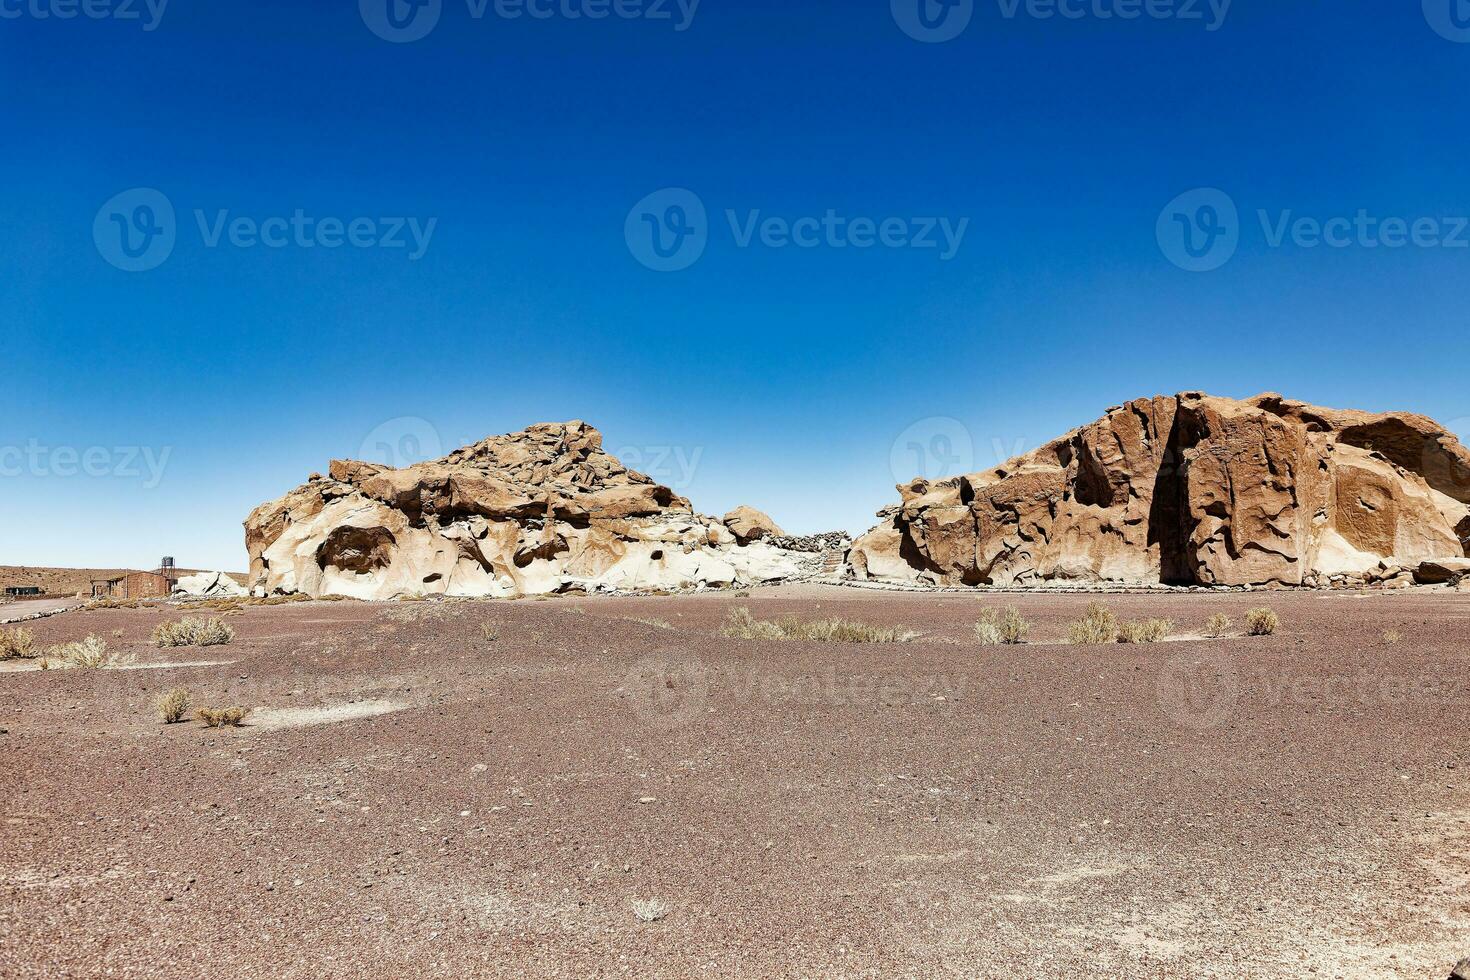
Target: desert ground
486,789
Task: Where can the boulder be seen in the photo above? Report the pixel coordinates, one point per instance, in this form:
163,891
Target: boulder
749,524
1189,489
208,585
1437,571
540,511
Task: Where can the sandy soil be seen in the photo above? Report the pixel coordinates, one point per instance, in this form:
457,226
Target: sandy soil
414,799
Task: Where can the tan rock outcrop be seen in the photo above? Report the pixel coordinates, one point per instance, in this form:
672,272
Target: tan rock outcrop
1189,489
539,511
749,524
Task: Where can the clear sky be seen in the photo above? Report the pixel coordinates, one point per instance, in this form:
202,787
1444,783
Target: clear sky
167,372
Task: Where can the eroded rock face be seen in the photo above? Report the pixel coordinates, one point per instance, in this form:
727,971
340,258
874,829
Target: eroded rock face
1189,489
749,524
534,512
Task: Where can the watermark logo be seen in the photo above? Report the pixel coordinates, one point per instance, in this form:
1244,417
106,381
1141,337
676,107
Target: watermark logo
934,449
665,693
143,463
932,21
1210,13
1199,692
671,466
401,21
149,13
668,230
1449,18
1199,230
402,442
136,230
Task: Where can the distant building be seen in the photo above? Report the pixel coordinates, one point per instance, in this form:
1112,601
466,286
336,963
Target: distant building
18,591
134,585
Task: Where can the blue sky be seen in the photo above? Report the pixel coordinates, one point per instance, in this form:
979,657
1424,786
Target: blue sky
797,379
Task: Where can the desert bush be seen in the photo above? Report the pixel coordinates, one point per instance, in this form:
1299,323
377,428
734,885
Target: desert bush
90,654
1005,626
1218,625
1098,626
740,624
222,717
651,909
17,644
489,633
191,632
1391,637
1261,622
1145,631
174,705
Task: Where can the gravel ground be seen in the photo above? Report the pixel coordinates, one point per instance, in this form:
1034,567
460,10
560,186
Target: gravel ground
416,799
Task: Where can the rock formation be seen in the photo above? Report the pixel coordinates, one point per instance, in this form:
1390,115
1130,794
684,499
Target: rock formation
534,512
749,524
1189,489
208,585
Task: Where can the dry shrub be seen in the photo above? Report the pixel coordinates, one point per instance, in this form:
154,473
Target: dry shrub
110,604
174,705
741,625
489,633
88,654
1261,622
662,624
17,644
1391,637
191,632
1146,631
1218,625
1005,626
222,717
650,910
1098,626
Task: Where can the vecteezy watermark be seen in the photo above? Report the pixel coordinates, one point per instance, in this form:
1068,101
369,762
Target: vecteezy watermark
1199,231
668,692
671,466
669,230
402,442
932,21
1449,18
1203,691
405,21
143,463
935,21
137,230
148,13
934,448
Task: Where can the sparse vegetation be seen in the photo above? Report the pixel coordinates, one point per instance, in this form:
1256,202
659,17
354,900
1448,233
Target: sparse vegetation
192,632
1218,625
1391,637
88,654
109,603
1002,627
17,644
1261,622
650,909
1098,626
1145,631
740,624
662,624
222,717
174,705
489,633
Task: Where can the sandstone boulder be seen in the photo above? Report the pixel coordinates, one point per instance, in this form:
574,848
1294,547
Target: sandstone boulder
1189,489
1437,571
208,585
539,511
749,524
